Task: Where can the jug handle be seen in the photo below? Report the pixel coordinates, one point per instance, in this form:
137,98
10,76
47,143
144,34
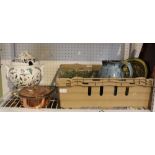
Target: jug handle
128,64
42,70
7,70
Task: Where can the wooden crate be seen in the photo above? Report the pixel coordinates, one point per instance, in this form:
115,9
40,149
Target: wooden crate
104,93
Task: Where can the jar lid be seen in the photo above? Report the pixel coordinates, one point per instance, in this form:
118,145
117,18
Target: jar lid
35,92
25,58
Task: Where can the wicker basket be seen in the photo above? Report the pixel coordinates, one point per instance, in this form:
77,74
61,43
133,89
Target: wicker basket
105,93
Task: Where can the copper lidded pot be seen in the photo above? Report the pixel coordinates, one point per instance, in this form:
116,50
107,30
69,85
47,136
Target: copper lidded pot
35,97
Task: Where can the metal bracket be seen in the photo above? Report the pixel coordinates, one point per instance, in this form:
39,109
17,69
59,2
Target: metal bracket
126,50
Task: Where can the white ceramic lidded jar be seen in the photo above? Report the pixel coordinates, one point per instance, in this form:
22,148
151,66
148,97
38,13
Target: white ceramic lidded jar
24,70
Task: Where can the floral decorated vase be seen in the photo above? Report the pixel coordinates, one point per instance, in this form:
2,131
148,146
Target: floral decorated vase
25,70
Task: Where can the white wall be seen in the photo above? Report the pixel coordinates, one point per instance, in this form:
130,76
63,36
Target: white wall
6,57
52,55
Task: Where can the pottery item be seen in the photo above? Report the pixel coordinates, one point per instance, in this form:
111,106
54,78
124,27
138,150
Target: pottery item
24,71
115,69
140,68
35,97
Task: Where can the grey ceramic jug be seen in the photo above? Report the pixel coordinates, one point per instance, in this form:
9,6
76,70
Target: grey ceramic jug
114,69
